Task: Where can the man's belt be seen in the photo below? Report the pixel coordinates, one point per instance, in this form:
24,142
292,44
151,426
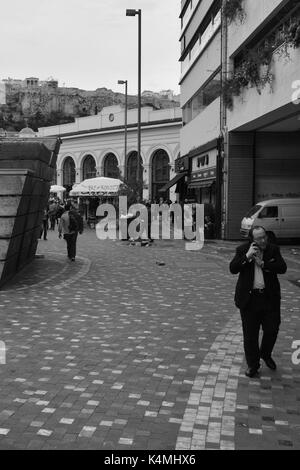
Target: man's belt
258,291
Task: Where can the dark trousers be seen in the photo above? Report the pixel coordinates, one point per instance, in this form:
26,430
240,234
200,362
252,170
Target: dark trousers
52,222
71,239
44,229
259,313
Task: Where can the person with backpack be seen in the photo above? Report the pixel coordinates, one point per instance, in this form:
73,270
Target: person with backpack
70,225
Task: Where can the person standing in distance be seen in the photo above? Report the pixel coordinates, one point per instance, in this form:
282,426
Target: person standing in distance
70,224
257,295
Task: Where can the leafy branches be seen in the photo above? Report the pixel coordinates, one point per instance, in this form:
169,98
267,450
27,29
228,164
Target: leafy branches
254,69
233,11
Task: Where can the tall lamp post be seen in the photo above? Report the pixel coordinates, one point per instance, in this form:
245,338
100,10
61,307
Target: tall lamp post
124,82
139,13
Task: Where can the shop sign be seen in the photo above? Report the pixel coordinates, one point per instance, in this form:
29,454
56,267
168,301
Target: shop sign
204,174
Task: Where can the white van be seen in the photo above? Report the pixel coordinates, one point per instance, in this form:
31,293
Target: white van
279,217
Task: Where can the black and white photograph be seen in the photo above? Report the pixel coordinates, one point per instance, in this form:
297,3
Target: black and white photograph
150,228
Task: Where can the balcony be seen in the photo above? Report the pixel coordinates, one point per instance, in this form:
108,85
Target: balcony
200,45
257,13
202,129
252,110
188,14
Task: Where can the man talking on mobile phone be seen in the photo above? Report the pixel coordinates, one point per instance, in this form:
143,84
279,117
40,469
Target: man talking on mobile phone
257,295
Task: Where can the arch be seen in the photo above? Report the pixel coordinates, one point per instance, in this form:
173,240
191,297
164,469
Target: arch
88,167
69,173
154,149
62,158
111,166
160,173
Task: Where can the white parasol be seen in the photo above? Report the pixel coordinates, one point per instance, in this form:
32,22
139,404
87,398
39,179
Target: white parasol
101,186
55,188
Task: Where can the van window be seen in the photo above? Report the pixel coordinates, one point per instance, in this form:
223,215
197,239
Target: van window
253,211
269,212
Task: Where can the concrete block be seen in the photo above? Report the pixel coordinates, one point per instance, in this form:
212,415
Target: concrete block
26,168
10,246
12,226
1,270
19,151
39,168
10,267
9,205
11,184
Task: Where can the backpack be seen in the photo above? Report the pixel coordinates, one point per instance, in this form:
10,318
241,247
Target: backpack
76,222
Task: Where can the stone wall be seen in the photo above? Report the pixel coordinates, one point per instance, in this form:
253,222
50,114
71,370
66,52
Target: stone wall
26,170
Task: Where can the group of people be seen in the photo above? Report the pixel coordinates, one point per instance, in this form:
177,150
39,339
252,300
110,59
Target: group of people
68,220
52,214
257,294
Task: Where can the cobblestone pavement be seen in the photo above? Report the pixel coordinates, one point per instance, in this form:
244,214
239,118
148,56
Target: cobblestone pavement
140,348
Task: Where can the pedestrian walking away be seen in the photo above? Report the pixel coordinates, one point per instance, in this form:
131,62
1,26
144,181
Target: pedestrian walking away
70,225
258,296
59,212
52,214
44,227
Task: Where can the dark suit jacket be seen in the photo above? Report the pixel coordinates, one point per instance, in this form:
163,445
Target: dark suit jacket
273,264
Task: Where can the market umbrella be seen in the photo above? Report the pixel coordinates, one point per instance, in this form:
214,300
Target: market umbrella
100,186
55,188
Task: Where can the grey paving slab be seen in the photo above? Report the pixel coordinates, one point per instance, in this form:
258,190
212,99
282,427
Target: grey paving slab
115,351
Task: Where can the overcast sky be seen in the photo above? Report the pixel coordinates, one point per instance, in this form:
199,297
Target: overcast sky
91,43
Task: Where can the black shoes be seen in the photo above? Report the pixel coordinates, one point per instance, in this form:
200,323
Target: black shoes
270,363
252,372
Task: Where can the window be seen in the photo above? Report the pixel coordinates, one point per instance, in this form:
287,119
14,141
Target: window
197,105
202,161
253,211
269,212
187,112
89,168
203,98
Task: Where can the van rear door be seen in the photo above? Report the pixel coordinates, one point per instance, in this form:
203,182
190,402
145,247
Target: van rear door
290,221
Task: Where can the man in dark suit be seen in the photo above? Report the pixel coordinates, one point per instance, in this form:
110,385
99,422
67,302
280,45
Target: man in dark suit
257,295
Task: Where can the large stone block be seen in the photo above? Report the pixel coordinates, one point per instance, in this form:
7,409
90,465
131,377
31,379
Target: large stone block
12,182
39,168
29,149
26,168
10,205
10,246
12,226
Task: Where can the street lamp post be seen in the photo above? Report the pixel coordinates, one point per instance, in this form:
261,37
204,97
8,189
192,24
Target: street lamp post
124,82
139,13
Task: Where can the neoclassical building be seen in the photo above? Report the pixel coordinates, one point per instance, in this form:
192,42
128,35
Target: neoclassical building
95,146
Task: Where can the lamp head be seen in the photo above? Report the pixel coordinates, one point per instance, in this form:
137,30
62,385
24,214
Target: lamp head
121,82
131,12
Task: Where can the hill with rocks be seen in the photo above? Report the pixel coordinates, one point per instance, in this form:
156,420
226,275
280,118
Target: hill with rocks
38,104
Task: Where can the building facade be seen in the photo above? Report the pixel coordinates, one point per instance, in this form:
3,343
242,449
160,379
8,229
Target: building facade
240,93
95,146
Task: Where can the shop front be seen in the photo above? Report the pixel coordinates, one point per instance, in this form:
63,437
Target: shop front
202,182
202,186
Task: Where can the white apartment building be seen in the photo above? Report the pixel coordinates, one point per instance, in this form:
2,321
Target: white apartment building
95,146
240,96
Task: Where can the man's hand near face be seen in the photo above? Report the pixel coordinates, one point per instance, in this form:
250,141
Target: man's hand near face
253,251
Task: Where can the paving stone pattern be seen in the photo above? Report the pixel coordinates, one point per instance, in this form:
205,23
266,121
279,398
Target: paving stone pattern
115,351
